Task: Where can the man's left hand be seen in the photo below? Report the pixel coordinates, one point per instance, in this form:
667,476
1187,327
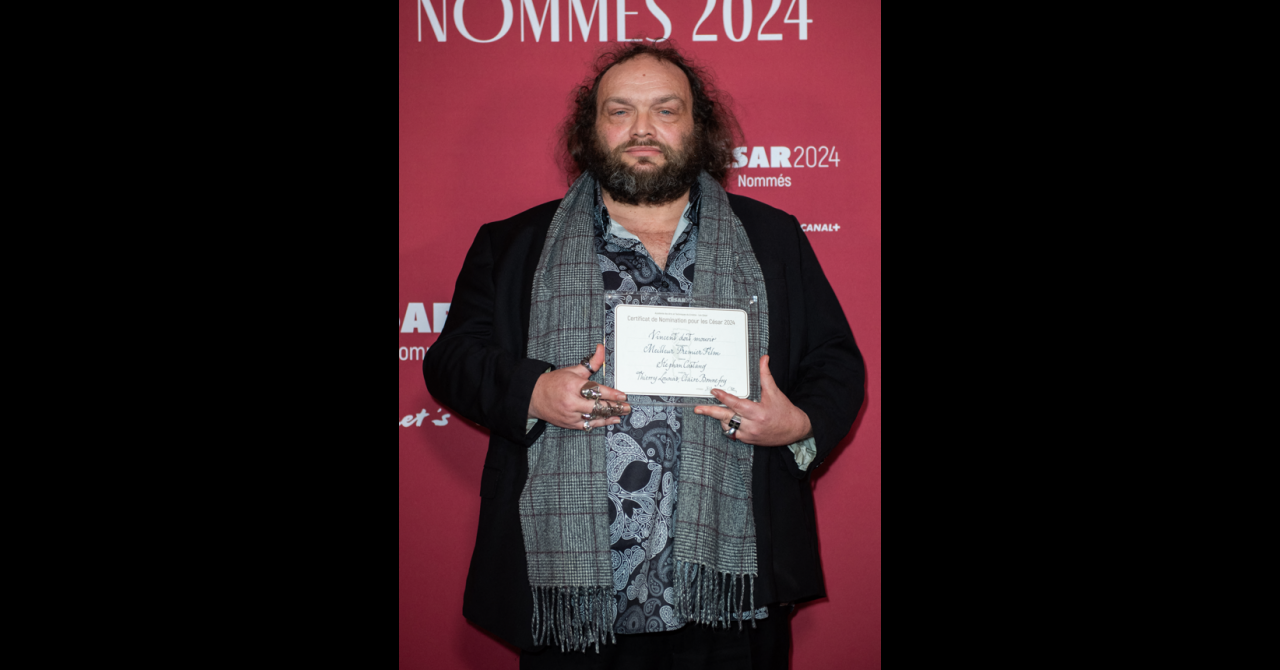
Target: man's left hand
772,422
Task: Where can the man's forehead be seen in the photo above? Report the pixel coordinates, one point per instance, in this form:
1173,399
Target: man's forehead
644,79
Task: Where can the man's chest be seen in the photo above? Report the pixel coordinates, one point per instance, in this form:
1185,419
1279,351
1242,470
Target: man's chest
657,245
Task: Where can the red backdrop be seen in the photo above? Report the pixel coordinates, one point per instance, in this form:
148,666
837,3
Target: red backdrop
477,142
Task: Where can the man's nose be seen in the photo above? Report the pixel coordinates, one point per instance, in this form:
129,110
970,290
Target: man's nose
643,127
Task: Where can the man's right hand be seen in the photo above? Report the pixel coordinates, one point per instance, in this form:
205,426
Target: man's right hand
557,396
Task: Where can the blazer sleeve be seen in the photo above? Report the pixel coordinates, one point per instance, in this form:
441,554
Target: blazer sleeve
467,369
830,375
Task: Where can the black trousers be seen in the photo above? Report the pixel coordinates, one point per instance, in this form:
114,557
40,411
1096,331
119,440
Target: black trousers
693,647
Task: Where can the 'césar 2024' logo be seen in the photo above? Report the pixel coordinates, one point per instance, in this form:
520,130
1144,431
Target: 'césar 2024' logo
783,157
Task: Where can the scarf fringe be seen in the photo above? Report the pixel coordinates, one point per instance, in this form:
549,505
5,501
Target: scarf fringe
576,618
573,617
712,597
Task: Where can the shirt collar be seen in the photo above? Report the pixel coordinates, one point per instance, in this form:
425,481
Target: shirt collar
614,229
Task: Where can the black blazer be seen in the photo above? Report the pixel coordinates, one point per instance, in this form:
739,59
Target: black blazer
478,369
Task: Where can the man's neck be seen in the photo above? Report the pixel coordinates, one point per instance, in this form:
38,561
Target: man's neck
642,220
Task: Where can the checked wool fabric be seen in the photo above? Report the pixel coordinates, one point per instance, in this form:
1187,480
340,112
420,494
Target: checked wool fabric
563,507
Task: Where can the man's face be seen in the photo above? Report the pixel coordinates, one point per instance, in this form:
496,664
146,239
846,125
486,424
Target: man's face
644,103
644,128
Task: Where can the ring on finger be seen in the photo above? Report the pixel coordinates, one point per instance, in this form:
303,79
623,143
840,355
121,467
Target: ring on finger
734,424
591,391
602,411
586,426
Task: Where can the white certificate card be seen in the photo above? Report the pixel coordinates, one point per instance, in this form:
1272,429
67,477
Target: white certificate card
680,351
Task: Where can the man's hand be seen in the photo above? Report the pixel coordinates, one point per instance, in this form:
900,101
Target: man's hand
557,397
772,422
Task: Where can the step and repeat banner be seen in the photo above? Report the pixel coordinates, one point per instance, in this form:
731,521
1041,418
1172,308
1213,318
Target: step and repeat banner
484,86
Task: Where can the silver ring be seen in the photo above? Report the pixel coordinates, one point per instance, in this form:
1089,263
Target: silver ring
735,422
586,363
591,391
602,411
731,431
586,426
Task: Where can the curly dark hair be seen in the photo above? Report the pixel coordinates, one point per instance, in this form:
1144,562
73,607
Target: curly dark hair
715,127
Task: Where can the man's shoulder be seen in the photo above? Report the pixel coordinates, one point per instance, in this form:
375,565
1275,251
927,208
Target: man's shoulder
520,235
776,236
535,217
517,234
750,208
767,226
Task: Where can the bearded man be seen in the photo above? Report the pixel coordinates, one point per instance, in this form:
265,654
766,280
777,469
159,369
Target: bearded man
652,535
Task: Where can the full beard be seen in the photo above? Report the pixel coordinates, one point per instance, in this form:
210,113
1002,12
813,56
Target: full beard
647,183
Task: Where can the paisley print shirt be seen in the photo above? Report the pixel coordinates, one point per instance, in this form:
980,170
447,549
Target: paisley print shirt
644,450
643,464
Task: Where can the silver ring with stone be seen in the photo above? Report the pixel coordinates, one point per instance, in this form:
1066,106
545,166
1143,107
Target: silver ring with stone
734,424
586,426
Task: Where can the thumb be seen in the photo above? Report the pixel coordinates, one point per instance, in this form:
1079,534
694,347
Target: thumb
597,359
767,384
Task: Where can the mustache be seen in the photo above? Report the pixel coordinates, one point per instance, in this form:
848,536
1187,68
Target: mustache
666,150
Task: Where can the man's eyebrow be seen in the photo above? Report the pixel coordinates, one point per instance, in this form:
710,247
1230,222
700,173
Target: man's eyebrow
627,101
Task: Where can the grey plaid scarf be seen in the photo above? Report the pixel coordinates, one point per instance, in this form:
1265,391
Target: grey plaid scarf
564,506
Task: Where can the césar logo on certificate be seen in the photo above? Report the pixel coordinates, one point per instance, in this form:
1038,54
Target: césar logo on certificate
680,351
